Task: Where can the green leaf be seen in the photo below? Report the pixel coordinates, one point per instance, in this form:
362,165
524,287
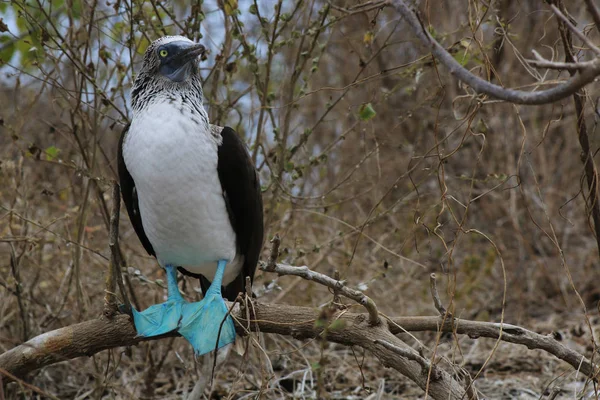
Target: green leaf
142,45
461,58
52,153
230,7
366,112
8,50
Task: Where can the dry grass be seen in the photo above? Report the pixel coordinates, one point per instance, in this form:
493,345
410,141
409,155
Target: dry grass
487,195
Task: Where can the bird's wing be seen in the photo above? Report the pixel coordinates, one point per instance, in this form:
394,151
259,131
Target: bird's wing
241,190
130,197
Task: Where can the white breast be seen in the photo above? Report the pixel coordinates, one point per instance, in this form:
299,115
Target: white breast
172,157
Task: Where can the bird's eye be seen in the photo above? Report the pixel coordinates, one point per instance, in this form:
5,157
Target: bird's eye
163,53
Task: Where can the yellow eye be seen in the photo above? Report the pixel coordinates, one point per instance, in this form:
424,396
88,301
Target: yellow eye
163,53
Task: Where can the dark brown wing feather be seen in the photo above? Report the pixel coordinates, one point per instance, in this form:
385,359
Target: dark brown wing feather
241,190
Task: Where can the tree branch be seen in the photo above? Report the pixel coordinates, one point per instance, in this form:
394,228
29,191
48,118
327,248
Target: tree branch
90,337
540,62
565,29
583,77
437,302
304,272
337,285
411,355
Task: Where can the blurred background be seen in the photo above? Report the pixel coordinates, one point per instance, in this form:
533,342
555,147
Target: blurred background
374,162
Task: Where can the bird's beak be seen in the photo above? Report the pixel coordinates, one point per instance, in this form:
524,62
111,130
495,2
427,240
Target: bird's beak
190,54
178,68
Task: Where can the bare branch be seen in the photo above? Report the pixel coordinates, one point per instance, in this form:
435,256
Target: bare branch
336,285
14,268
555,65
31,387
505,332
114,269
594,11
90,337
435,295
274,254
361,8
561,91
587,156
574,30
541,62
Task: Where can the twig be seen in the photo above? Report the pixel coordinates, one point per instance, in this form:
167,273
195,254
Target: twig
110,303
248,311
46,229
574,30
561,91
114,271
216,349
437,302
336,291
154,369
540,62
594,11
14,267
248,286
339,286
502,331
361,8
469,386
246,301
274,254
554,393
264,88
33,388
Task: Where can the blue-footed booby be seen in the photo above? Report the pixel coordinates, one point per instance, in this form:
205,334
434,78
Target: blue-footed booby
192,194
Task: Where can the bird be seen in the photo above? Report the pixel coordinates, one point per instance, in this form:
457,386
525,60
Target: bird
192,194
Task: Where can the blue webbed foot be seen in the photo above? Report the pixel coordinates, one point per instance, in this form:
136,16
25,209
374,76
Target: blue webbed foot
158,319
205,322
161,318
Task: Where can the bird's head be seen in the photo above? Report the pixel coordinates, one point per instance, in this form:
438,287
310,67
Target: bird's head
169,63
173,58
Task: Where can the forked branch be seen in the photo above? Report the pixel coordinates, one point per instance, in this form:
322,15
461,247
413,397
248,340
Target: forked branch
335,284
91,337
585,73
